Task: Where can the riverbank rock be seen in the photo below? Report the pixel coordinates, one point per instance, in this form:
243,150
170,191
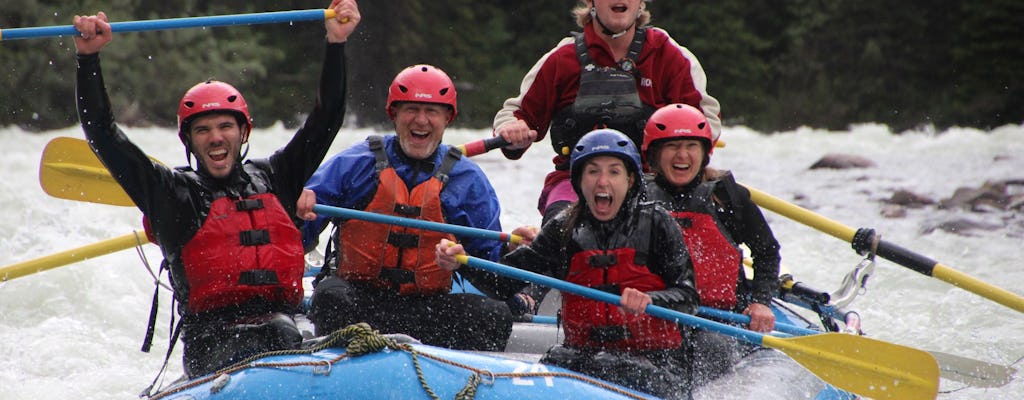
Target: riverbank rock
842,161
997,204
909,199
989,197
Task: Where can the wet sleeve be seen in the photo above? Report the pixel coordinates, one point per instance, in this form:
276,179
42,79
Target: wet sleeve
296,162
145,181
748,226
544,256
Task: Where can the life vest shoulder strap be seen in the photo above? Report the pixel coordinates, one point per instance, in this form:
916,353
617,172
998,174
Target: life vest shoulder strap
635,47
447,163
380,157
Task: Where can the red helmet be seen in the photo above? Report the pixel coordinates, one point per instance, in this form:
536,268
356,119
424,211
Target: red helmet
423,84
677,121
211,96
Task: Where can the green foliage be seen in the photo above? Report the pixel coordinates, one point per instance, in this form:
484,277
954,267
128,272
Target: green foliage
774,64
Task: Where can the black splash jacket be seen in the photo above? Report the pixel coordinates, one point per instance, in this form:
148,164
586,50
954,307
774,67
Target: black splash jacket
641,225
177,201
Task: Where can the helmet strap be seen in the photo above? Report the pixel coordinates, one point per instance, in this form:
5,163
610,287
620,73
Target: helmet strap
604,29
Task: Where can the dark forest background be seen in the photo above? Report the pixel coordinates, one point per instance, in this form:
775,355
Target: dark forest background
774,65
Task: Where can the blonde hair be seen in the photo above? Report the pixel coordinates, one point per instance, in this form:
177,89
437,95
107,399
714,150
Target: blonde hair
583,18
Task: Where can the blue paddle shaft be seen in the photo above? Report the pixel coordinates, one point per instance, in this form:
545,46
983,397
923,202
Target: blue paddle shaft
410,223
172,23
594,294
745,319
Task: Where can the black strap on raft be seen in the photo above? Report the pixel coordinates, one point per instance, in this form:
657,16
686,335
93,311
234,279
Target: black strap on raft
147,342
330,265
175,332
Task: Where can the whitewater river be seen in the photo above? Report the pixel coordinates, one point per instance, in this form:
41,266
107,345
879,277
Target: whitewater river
75,331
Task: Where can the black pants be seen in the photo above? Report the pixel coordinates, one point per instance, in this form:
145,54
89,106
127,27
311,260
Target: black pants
214,344
663,373
461,321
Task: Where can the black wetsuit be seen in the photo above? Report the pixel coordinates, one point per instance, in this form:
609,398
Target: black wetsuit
177,201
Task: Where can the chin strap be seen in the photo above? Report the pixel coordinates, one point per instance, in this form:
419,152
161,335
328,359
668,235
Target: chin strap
605,30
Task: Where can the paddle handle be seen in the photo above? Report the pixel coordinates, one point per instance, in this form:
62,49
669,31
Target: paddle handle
745,319
890,251
594,294
482,146
416,223
175,23
74,255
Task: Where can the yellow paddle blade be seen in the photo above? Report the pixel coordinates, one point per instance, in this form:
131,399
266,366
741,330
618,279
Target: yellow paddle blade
865,366
69,170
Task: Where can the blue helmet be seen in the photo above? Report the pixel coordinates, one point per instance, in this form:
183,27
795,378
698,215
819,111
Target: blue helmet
604,142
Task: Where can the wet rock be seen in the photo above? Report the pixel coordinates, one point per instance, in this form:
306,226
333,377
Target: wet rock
960,226
909,199
1015,203
989,196
842,161
893,211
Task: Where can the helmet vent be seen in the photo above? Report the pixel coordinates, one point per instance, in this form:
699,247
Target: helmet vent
701,125
190,104
444,91
622,143
661,127
232,98
403,88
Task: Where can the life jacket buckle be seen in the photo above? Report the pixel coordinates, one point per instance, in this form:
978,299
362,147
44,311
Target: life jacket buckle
603,260
249,204
258,277
612,333
254,237
407,210
403,240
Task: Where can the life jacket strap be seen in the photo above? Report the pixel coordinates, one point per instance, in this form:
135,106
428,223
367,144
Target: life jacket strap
403,240
258,277
254,237
249,204
603,260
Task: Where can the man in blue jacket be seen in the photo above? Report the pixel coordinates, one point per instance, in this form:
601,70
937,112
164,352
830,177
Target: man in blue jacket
387,275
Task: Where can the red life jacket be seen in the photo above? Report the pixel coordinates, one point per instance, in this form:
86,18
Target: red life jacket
246,249
595,324
385,255
716,259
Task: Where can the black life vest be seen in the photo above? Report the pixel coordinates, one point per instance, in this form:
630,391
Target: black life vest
607,98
